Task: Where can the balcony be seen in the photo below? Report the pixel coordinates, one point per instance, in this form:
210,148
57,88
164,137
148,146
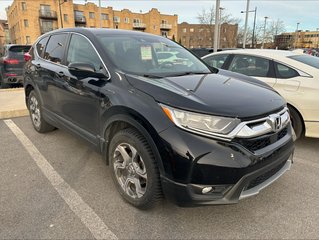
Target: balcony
166,26
46,29
47,14
80,19
139,25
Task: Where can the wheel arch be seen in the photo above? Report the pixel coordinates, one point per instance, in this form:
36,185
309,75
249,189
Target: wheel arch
301,117
121,117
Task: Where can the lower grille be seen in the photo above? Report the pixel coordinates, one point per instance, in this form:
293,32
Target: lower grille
260,179
263,141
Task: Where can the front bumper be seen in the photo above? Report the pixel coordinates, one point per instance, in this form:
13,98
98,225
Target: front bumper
229,169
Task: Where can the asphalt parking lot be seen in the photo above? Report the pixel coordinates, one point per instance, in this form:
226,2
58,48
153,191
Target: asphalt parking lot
84,204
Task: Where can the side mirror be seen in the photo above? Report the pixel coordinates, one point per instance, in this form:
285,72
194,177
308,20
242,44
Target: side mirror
84,70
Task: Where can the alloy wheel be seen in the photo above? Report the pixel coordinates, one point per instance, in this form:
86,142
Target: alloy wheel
130,170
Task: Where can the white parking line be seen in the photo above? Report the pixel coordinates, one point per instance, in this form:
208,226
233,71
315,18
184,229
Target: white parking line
88,217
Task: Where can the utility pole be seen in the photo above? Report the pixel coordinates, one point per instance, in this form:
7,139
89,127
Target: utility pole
253,37
100,13
296,36
262,45
216,37
246,22
219,26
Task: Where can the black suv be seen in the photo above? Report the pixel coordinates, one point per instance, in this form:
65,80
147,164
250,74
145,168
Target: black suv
172,128
11,65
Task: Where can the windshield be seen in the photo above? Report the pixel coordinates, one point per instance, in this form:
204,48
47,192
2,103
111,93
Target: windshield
150,56
307,59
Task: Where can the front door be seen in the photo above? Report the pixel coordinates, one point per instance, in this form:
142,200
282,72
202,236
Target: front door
79,99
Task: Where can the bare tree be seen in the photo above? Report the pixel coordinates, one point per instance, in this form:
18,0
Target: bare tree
207,17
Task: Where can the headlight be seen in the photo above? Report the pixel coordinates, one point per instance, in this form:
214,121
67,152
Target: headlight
200,122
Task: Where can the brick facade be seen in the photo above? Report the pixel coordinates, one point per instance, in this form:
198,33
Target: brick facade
201,35
29,19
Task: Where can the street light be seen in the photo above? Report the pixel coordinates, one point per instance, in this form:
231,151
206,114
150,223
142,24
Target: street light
262,45
246,22
253,40
63,1
219,25
296,36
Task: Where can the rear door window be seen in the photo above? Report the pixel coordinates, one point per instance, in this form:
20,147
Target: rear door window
41,46
250,66
55,48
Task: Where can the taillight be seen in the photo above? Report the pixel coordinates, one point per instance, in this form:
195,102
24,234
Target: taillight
27,57
10,61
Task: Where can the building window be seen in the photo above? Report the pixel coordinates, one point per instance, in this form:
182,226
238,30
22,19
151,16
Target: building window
24,6
136,20
164,33
164,22
126,20
184,30
191,30
154,27
66,17
26,23
28,39
116,19
104,16
91,15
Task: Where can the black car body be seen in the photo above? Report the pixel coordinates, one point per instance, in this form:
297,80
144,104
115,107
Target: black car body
11,65
164,118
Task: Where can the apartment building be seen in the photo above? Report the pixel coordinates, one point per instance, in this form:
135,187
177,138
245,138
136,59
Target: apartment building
202,35
28,19
300,39
4,33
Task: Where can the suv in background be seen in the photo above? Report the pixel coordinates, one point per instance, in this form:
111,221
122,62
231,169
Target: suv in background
11,65
179,129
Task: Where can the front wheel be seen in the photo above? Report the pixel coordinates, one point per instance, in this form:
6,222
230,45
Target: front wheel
35,110
134,169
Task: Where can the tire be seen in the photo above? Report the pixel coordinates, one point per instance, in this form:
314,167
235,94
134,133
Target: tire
2,84
137,179
35,110
297,122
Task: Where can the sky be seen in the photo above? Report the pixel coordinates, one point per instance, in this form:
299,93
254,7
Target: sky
290,12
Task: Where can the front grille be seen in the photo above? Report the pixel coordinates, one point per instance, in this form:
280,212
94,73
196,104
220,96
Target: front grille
260,179
255,144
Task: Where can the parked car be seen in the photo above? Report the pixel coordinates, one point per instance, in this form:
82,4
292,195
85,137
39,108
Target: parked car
11,65
293,74
201,52
180,130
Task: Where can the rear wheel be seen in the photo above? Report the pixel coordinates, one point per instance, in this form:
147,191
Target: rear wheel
2,84
296,122
35,109
134,169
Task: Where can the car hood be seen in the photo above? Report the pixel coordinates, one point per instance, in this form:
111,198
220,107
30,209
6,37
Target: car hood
211,94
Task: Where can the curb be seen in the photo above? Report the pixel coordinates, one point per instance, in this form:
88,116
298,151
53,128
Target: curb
14,113
11,90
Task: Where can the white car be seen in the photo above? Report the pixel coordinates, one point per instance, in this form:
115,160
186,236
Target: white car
294,75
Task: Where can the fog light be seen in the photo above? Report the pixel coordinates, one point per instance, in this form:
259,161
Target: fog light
206,190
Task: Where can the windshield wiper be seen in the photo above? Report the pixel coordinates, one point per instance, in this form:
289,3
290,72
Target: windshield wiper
187,73
152,76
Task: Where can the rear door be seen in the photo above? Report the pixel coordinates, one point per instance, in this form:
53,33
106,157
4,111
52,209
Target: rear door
49,66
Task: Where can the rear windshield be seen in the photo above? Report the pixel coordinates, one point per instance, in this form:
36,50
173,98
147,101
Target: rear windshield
19,50
307,59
